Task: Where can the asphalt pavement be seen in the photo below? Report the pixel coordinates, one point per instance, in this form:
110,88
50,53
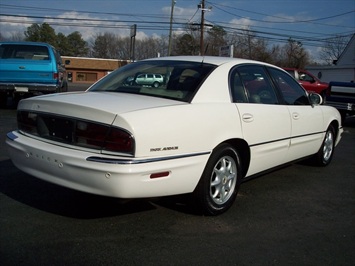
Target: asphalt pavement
299,215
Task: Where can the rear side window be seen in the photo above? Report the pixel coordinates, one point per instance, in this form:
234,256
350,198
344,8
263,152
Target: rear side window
28,52
251,83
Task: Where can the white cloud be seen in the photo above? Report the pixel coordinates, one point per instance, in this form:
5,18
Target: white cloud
89,27
12,26
243,23
287,18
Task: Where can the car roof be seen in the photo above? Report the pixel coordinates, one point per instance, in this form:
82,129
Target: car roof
26,43
215,60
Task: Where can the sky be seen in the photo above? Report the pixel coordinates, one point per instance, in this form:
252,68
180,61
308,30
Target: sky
307,21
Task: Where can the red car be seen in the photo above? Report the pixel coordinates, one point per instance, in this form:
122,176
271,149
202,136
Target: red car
308,81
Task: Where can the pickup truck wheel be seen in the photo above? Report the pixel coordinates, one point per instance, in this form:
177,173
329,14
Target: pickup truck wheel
325,154
219,183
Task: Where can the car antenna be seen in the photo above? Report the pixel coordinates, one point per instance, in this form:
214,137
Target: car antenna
204,54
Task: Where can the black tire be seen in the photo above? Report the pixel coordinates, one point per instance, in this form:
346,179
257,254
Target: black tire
325,154
65,87
343,116
3,100
156,84
220,181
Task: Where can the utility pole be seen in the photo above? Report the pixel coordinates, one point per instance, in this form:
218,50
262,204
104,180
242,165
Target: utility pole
133,42
173,2
202,7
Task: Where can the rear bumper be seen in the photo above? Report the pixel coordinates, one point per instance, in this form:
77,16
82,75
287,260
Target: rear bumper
76,169
28,87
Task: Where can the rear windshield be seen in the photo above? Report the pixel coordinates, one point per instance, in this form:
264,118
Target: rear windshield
177,80
19,51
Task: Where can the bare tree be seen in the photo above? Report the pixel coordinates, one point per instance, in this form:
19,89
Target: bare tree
105,46
276,55
248,45
147,48
332,48
216,38
295,55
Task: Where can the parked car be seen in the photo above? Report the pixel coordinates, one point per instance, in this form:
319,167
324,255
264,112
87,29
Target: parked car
154,80
309,81
30,68
215,123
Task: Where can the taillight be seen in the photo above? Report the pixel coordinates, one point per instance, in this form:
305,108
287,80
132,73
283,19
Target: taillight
56,76
90,135
103,137
76,132
119,141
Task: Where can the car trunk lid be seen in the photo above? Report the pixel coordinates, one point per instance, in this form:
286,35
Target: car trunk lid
93,106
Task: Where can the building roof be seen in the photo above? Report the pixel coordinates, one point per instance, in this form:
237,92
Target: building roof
347,57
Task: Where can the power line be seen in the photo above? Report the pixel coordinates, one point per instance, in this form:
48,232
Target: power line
163,25
218,6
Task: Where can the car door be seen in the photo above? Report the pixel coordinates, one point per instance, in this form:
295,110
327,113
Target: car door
306,120
266,124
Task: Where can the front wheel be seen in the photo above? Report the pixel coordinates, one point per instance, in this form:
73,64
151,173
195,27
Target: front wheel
219,183
325,154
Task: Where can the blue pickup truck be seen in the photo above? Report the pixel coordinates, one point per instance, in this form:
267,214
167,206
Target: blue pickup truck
28,69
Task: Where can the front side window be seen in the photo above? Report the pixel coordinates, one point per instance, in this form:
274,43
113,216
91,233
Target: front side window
303,76
175,80
291,91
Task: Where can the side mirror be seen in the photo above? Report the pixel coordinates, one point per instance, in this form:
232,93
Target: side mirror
315,99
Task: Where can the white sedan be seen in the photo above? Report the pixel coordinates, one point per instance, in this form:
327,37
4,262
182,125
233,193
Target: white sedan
212,123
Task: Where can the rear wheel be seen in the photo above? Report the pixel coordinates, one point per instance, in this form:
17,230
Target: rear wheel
325,154
219,183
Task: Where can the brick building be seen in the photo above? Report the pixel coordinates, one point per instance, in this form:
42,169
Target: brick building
89,70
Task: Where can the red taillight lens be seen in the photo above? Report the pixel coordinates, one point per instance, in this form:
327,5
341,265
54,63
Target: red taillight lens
119,141
90,135
104,137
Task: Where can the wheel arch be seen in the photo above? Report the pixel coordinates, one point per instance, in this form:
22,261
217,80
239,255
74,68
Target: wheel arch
335,125
242,147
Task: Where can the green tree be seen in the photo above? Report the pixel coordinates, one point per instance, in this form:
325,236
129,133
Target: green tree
186,44
41,33
76,44
63,45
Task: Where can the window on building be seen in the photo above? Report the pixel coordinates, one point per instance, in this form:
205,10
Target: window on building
85,76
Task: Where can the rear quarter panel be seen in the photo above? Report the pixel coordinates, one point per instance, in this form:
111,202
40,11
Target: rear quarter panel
181,129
